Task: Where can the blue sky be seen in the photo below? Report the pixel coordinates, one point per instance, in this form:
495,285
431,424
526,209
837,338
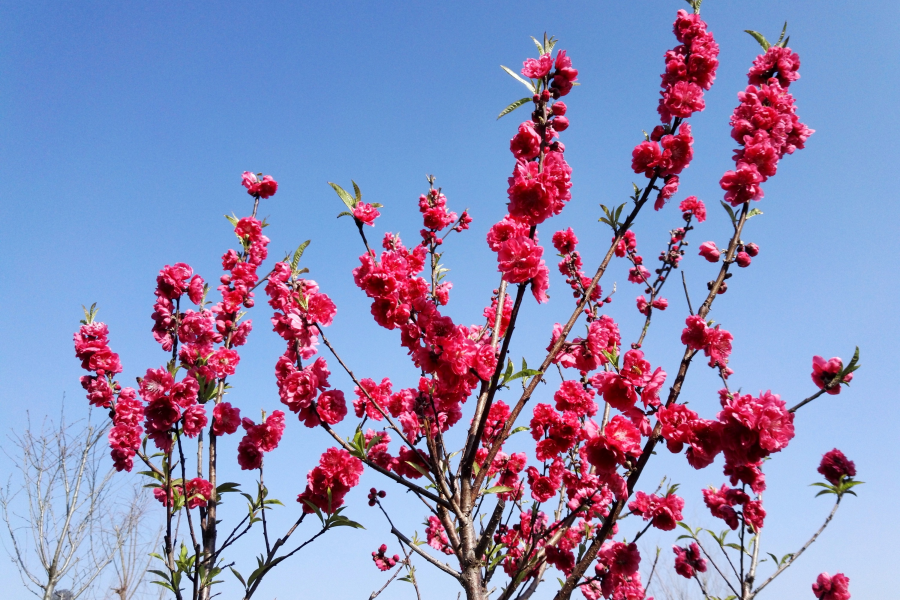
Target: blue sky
125,128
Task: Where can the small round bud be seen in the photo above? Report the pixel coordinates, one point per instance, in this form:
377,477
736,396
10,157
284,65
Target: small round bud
742,259
558,108
752,249
545,95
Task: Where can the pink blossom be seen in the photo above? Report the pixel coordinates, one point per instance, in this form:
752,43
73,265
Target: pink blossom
226,419
689,561
366,213
519,259
526,144
663,512
263,188
835,467
537,68
742,184
742,259
194,420
778,62
694,336
328,483
827,587
197,492
825,372
695,206
710,251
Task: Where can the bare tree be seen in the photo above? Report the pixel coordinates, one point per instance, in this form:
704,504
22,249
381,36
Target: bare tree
133,558
64,523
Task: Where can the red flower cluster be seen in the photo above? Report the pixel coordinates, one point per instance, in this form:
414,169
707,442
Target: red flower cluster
437,535
765,124
327,484
382,561
588,354
260,187
827,587
258,439
663,512
826,371
721,502
570,266
714,341
690,69
688,561
617,573
125,435
92,349
836,467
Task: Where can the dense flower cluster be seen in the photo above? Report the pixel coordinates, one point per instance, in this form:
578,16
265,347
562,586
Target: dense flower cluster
690,69
327,484
258,439
663,512
765,124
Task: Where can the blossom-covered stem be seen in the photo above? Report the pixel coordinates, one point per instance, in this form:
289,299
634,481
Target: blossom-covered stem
483,408
567,328
566,591
797,554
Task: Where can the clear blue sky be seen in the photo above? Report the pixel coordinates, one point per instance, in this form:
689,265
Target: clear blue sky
124,128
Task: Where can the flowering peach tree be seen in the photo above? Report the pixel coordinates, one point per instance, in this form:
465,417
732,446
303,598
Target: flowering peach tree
497,521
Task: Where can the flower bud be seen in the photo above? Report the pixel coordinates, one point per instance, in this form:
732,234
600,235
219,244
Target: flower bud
752,249
742,259
657,133
545,95
560,123
558,108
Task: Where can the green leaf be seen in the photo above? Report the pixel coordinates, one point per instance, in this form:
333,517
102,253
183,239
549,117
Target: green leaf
513,106
516,76
418,468
298,253
344,214
232,219
356,191
730,212
498,489
759,38
238,575
518,429
346,198
781,37
539,46
753,212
